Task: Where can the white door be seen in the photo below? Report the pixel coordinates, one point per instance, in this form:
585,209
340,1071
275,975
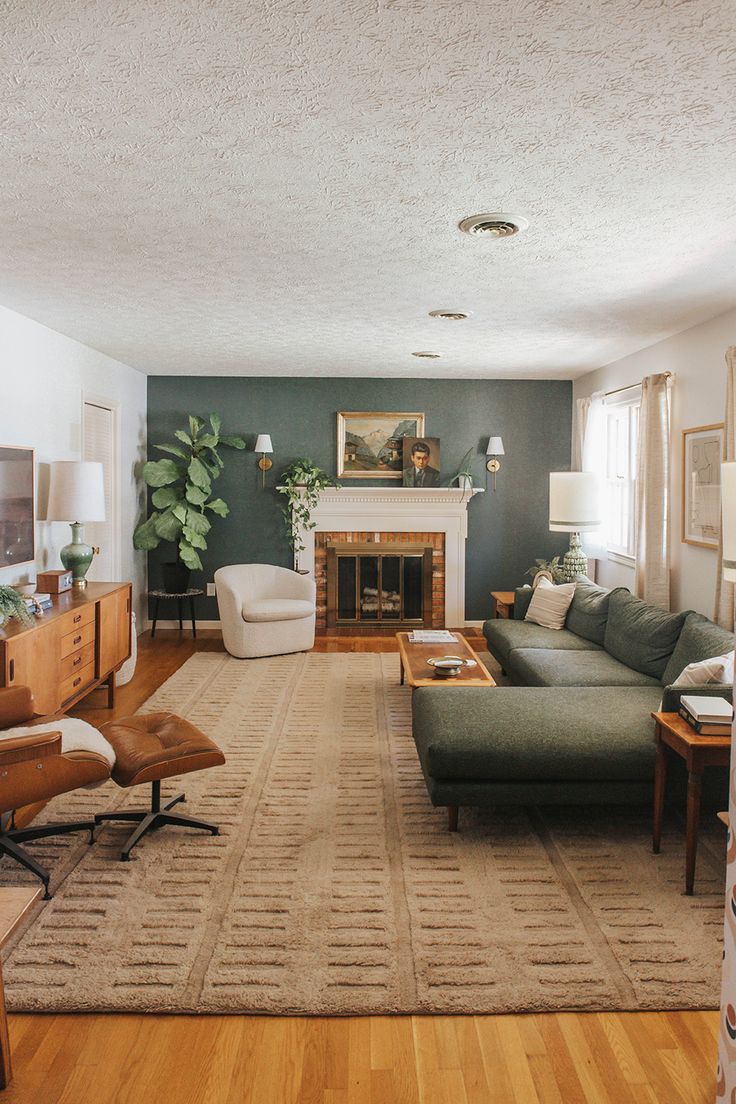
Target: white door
99,442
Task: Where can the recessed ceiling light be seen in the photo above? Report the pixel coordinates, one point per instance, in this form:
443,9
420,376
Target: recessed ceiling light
427,354
453,316
497,224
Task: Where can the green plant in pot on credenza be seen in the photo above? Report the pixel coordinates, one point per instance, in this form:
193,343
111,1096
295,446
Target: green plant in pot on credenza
302,483
183,499
13,607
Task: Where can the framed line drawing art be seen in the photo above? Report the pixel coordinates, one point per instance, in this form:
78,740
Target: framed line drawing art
702,453
369,443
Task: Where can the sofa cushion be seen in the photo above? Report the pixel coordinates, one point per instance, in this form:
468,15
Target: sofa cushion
549,667
641,635
502,636
588,612
700,639
550,603
547,734
276,609
522,598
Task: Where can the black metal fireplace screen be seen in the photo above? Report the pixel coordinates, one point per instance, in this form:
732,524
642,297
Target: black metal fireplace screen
389,584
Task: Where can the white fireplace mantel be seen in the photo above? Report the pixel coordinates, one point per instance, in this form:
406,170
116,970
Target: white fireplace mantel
400,510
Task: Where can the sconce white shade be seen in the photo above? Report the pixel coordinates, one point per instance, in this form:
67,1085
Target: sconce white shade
728,520
495,447
574,502
263,443
76,491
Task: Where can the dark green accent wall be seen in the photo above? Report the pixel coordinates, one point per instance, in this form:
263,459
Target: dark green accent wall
506,530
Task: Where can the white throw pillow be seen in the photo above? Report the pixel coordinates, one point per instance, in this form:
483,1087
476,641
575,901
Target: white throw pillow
719,669
550,603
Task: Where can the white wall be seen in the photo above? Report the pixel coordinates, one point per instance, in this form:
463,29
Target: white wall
696,357
43,376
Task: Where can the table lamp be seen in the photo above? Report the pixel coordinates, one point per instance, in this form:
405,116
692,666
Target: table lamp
76,491
728,520
574,508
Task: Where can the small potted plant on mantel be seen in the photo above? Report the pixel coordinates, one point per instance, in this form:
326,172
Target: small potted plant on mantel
302,483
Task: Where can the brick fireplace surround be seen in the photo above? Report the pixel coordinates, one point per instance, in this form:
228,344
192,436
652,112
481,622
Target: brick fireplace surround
437,540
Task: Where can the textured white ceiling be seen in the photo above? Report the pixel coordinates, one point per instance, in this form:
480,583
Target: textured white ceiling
222,187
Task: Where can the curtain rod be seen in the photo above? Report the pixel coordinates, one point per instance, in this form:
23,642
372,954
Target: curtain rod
631,386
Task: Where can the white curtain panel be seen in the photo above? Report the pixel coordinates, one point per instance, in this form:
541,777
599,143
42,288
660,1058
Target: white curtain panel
593,459
652,519
725,591
582,407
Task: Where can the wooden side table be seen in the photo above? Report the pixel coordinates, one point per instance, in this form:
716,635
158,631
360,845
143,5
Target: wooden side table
190,595
503,603
699,752
14,904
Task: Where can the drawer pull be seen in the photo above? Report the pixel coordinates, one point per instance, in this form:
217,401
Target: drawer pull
77,619
76,682
11,670
77,661
77,640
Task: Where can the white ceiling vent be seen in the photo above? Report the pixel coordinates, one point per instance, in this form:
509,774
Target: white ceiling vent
496,224
452,315
427,354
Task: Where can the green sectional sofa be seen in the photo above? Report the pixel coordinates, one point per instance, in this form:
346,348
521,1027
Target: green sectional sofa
576,727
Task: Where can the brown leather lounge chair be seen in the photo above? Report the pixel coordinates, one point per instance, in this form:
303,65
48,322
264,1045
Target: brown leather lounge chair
32,769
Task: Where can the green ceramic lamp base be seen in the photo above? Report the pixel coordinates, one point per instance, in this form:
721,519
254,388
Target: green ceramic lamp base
574,562
77,556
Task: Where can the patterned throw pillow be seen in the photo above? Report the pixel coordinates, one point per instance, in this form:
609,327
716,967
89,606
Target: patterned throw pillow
719,669
550,603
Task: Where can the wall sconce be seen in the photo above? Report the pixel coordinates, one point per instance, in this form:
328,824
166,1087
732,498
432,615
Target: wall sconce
728,521
264,446
494,450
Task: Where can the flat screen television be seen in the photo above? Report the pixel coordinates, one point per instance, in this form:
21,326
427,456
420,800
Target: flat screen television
17,533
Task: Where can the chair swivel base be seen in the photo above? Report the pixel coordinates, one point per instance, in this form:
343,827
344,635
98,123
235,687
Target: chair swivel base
150,820
10,845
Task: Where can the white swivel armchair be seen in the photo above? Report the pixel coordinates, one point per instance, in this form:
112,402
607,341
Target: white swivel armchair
265,610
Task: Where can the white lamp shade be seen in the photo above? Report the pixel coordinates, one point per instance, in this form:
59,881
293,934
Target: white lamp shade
574,502
263,443
728,520
76,491
495,447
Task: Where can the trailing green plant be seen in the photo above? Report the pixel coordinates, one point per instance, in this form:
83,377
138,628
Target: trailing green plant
553,566
301,483
13,607
183,490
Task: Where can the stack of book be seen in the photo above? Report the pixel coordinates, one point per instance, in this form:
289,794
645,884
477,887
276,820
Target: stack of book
432,636
37,603
707,716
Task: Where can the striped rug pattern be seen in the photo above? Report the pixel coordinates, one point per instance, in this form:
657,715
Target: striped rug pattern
334,886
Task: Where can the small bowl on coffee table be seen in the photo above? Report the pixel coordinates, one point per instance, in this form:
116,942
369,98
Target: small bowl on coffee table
448,666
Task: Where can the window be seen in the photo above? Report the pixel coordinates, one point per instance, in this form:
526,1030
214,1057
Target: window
622,435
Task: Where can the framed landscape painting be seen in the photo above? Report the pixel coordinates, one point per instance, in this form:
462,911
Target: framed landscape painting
702,453
369,443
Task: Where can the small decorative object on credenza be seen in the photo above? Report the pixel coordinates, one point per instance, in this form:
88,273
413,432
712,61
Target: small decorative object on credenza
494,449
264,447
13,607
574,508
55,582
76,495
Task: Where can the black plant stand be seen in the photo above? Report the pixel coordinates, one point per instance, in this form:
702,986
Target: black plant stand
190,595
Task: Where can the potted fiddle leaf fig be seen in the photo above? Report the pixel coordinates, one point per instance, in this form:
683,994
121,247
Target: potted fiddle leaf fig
182,497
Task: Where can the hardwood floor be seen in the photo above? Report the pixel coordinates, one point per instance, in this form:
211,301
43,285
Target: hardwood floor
564,1058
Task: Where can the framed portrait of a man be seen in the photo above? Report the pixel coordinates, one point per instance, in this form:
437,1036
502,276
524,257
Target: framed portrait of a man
369,443
421,462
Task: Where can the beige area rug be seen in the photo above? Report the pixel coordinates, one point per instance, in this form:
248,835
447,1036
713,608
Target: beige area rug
335,888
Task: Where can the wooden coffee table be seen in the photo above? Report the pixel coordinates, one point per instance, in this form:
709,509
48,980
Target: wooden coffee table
675,734
415,671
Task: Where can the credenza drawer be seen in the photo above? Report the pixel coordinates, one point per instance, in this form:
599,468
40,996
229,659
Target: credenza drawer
75,619
74,641
76,683
72,664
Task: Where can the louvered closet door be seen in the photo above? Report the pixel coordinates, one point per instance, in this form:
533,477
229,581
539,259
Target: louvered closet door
98,436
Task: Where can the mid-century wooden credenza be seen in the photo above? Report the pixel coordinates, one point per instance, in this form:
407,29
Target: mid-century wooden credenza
73,648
